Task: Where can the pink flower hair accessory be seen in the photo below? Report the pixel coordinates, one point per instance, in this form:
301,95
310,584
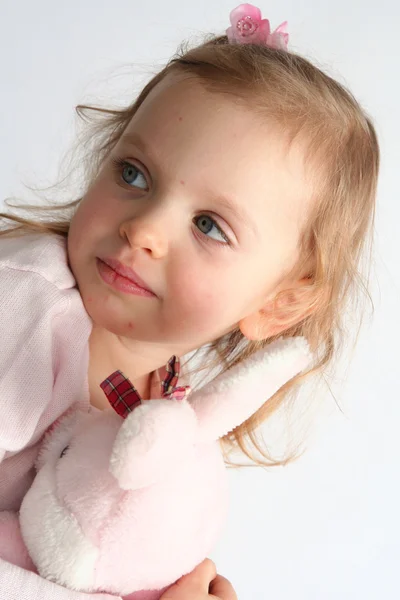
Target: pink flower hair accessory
247,27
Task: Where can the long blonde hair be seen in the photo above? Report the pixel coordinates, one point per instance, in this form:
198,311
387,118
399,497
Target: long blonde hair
340,139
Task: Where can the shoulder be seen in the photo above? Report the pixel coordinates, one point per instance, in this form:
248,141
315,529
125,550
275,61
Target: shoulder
40,254
44,333
37,284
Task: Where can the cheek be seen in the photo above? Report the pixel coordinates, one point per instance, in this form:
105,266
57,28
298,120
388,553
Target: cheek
206,299
95,213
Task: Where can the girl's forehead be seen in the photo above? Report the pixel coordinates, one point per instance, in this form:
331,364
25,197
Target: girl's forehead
183,115
214,143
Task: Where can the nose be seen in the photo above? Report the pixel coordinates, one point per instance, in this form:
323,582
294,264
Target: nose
148,233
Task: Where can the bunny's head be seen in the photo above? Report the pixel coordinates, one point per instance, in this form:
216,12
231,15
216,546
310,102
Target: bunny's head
122,505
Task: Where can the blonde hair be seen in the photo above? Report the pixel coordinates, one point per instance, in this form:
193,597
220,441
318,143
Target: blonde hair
341,143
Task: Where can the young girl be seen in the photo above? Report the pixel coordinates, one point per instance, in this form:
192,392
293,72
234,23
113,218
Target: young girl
227,205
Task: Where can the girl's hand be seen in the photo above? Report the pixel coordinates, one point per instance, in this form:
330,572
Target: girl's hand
201,584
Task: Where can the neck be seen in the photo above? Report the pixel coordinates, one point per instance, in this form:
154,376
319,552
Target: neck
109,352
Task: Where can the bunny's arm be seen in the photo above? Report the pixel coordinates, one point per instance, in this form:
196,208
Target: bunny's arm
18,584
156,437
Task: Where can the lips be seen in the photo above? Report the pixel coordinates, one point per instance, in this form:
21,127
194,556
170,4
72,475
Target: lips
128,273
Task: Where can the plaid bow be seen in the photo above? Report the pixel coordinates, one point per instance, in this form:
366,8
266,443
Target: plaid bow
124,397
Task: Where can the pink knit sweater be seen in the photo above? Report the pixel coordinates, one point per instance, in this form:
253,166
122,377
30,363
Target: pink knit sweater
44,333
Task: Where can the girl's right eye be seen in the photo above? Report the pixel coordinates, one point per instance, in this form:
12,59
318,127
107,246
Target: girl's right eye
130,174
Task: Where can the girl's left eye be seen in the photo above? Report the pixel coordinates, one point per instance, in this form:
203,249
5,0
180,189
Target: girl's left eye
131,175
210,228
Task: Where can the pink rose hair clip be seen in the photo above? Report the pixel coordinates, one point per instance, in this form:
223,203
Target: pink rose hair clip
247,27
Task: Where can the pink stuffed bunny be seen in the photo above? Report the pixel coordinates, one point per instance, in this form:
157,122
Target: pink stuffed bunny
126,506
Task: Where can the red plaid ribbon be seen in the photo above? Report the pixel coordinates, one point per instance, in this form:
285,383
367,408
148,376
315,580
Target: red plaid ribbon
124,397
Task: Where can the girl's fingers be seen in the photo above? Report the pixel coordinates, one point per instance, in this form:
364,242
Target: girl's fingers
222,589
200,578
201,584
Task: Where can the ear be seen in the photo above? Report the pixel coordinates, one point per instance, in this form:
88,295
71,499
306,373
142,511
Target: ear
289,307
236,394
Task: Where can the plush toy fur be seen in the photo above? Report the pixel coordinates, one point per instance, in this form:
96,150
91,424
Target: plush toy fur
122,506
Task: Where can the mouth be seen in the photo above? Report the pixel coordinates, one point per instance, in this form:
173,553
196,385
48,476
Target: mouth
123,277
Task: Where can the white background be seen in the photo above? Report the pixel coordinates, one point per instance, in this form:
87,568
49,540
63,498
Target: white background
326,527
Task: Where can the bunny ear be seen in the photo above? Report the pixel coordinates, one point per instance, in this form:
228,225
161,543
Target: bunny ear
234,396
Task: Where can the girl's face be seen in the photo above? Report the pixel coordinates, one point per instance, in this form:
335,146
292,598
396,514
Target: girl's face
205,204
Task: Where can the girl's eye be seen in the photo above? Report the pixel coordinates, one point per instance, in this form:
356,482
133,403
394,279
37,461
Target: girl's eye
209,227
132,176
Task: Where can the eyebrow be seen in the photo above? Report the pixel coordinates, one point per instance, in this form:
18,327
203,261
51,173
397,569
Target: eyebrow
237,211
134,139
